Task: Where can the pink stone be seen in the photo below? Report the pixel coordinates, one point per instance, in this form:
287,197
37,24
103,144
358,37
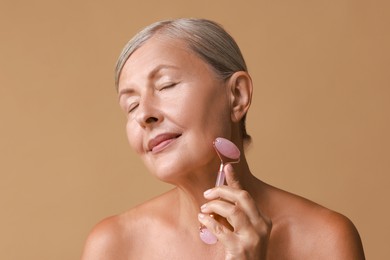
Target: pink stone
227,150
207,236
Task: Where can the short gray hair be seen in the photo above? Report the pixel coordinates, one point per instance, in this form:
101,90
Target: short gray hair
205,38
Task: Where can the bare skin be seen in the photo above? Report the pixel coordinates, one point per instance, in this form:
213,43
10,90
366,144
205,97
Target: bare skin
300,230
170,95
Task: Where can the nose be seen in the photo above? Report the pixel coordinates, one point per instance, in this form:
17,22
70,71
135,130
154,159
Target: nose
148,113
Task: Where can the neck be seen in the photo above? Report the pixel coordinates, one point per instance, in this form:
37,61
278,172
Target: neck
190,191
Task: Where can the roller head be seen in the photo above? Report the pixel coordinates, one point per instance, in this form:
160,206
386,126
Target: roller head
227,151
207,236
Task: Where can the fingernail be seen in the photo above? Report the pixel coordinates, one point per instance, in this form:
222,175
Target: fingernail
207,192
203,207
201,216
228,167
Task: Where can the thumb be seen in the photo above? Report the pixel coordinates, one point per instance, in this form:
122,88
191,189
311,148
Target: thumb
231,177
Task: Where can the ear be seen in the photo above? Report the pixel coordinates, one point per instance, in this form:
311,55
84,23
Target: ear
241,88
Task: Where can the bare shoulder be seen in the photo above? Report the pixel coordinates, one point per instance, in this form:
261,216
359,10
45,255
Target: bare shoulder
105,241
311,231
340,236
121,236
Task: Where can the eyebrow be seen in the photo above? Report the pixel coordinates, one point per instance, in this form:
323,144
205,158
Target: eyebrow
125,91
151,75
157,69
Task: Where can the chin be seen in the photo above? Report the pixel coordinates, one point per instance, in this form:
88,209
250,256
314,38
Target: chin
166,172
170,166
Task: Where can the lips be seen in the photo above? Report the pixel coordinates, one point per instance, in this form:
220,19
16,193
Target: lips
161,141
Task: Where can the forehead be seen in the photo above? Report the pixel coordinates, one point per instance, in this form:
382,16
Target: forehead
161,51
157,51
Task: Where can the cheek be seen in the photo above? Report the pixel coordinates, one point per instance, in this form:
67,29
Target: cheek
133,137
214,112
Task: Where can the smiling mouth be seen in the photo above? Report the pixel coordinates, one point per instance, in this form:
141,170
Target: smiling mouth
162,141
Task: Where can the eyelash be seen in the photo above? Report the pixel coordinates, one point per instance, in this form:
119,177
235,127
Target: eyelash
170,85
132,108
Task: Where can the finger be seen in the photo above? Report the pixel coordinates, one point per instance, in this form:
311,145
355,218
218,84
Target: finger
231,177
240,198
234,215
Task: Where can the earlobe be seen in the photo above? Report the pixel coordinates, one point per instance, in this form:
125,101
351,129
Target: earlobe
240,94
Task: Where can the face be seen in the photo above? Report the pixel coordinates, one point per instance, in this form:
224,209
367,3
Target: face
175,106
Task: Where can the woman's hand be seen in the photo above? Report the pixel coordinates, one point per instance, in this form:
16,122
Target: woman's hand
247,237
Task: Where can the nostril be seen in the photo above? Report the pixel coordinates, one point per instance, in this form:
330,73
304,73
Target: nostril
151,119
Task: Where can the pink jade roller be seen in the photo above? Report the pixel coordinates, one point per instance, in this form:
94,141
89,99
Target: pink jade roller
228,153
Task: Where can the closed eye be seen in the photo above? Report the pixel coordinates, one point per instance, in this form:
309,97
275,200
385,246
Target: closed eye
132,107
167,86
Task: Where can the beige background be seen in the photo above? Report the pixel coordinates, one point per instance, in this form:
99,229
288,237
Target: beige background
320,117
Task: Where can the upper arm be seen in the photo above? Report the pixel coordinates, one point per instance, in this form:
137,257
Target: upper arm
104,242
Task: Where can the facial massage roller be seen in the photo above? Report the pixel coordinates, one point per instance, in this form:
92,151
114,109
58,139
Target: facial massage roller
228,152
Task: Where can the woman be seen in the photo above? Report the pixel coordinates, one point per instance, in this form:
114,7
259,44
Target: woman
182,83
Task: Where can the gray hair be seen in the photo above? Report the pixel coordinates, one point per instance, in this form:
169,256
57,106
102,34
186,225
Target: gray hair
205,38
